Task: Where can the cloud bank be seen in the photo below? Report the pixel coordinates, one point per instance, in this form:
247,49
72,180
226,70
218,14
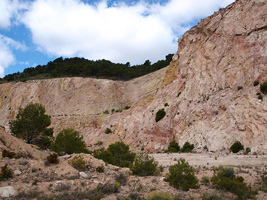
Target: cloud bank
7,58
115,31
120,32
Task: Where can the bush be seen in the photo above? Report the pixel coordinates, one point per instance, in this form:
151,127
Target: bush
263,88
145,165
182,176
225,179
157,195
239,88
108,131
205,180
5,173
264,182
30,123
44,142
117,154
108,189
69,141
187,147
160,114
100,169
256,83
127,107
212,196
8,154
78,163
248,150
236,147
121,178
52,159
173,147
135,196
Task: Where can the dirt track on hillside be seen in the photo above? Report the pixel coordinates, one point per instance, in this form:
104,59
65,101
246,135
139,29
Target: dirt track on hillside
212,160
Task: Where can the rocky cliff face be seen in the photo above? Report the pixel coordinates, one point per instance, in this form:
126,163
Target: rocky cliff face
225,51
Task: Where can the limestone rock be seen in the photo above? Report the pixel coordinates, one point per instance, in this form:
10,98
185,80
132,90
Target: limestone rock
7,191
17,172
60,185
223,52
83,174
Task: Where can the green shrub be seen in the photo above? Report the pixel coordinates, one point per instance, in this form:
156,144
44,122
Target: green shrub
121,178
236,147
145,165
187,147
52,159
166,104
106,112
108,189
248,150
239,88
205,180
182,176
212,196
78,163
157,195
116,154
108,131
8,154
260,96
225,179
173,147
264,182
5,173
263,88
44,142
69,141
127,107
135,196
30,123
256,83
100,169
160,114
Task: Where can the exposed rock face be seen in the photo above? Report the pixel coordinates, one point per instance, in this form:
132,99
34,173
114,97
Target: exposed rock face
76,102
223,52
206,108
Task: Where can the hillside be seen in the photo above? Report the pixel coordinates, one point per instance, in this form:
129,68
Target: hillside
80,67
208,88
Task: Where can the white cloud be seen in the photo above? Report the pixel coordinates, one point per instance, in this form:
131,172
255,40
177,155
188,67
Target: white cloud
10,9
7,58
119,33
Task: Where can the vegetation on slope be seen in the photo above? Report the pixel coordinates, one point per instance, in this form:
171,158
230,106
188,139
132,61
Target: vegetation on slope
80,67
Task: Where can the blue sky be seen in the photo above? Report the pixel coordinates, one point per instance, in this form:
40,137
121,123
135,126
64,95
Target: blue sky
34,32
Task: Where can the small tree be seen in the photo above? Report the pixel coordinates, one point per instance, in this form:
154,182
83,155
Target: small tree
69,141
145,165
182,176
173,147
117,154
160,114
30,123
122,156
263,88
187,147
225,179
236,147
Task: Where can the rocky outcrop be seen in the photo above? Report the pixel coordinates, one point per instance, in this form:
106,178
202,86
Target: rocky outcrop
207,89
224,52
76,102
